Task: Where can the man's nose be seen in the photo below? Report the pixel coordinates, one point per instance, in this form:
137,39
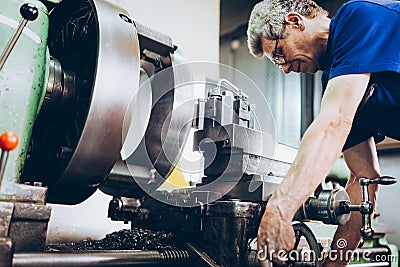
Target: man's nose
286,68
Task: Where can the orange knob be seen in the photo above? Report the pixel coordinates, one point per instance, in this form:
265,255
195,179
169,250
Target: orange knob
8,141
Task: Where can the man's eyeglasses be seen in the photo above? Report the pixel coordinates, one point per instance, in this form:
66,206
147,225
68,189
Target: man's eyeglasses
277,59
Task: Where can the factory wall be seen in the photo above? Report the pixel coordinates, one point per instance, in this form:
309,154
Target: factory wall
193,25
282,92
389,196
194,28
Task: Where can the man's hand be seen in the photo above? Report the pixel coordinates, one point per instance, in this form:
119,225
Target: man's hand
275,233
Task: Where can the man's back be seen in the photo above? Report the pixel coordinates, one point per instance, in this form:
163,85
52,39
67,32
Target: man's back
364,38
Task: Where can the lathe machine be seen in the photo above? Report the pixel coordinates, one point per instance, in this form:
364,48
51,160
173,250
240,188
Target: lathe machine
92,100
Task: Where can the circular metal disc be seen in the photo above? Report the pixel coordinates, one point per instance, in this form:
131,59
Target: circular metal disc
96,42
158,153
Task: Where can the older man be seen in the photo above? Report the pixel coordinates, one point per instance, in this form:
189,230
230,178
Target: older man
359,54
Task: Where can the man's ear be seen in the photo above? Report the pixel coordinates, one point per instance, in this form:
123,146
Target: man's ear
296,20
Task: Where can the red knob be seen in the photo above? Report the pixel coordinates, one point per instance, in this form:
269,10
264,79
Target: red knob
8,141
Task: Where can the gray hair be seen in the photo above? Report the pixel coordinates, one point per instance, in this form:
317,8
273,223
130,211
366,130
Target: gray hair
268,18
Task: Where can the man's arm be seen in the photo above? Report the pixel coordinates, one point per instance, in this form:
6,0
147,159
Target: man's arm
362,161
320,148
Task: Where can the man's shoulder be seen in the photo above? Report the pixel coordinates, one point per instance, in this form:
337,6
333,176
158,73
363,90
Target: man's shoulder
370,5
355,13
353,47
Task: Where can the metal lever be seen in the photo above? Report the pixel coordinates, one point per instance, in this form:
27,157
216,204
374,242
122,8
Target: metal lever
8,142
384,180
29,12
365,207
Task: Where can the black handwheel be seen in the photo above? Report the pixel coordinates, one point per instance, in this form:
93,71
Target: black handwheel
306,251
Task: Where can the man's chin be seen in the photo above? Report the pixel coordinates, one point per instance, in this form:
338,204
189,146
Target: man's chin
310,69
310,72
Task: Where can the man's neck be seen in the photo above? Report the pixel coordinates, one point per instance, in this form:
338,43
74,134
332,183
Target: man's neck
321,34
321,24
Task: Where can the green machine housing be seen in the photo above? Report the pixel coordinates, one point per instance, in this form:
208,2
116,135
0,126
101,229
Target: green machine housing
22,87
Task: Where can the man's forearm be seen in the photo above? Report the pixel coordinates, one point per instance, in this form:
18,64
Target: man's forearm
322,142
319,150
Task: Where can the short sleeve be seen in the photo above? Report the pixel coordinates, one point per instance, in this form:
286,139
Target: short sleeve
364,38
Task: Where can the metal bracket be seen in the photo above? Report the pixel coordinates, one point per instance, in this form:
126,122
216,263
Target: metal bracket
7,251
6,211
6,244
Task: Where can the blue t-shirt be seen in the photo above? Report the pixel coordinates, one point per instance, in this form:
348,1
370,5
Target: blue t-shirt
364,37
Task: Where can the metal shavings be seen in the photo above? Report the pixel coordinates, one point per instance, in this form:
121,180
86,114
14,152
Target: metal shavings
127,239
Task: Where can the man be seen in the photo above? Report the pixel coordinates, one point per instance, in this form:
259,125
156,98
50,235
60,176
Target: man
356,50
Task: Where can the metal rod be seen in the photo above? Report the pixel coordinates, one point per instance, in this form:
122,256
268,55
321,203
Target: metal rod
371,251
372,264
354,207
365,193
366,210
231,85
3,161
80,259
100,258
29,12
203,256
12,42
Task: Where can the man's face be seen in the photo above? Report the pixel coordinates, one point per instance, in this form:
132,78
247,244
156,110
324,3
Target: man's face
298,51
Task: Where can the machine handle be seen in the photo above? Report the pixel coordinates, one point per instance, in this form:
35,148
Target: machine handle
384,180
302,231
8,142
366,208
366,231
29,12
